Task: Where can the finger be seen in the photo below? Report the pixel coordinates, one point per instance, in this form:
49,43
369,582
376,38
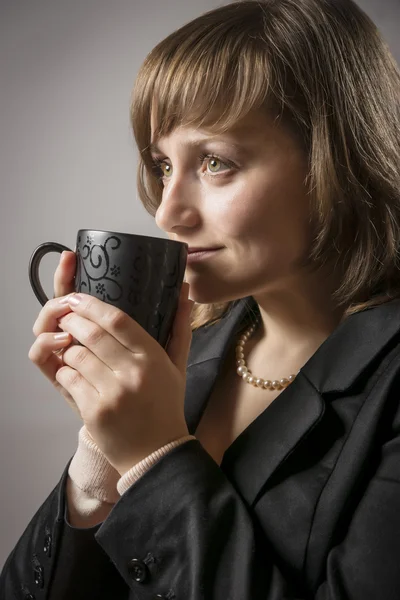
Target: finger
47,319
84,394
45,353
94,371
64,276
113,355
42,353
114,321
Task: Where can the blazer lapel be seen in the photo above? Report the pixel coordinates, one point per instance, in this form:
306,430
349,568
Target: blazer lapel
263,446
209,347
338,363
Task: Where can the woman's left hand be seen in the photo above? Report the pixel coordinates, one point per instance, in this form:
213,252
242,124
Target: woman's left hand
129,390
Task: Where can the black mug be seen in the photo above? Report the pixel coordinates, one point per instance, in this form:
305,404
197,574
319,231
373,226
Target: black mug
139,274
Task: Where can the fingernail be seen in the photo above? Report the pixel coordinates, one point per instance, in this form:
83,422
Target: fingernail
74,299
64,299
61,336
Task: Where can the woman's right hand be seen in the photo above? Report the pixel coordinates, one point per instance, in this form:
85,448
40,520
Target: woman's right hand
42,352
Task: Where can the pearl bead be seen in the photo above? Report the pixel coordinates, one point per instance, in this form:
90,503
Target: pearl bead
246,373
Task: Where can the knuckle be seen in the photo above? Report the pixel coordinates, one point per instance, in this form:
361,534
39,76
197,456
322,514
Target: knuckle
93,335
66,318
43,317
54,303
35,328
35,353
80,354
70,376
32,353
116,319
138,378
89,300
73,378
50,306
89,303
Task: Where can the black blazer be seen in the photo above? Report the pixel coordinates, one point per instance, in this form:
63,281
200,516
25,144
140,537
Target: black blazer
305,505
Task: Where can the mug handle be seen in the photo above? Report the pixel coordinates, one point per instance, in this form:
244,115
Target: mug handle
34,263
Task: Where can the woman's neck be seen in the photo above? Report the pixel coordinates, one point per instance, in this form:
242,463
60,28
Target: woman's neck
296,321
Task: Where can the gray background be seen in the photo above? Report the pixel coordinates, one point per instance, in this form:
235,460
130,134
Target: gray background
68,161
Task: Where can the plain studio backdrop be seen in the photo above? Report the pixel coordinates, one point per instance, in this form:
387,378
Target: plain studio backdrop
68,161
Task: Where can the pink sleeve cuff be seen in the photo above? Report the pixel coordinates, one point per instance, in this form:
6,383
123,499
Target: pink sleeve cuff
91,472
131,476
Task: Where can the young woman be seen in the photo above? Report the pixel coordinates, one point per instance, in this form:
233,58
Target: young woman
258,457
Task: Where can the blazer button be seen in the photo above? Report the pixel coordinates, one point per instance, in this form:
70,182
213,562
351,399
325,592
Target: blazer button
47,545
27,594
138,570
38,576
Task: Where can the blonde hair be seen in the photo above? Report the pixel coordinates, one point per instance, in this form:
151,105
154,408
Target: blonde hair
324,66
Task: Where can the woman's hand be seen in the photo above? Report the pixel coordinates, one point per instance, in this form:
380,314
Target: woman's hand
128,389
42,352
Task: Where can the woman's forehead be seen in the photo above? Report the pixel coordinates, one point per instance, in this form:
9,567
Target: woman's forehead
253,124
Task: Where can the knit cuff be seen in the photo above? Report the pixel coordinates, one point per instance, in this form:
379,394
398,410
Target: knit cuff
91,471
143,466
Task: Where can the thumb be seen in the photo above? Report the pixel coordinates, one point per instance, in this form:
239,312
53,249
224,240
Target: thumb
181,335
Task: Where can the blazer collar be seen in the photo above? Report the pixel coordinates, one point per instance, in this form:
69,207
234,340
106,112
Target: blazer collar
353,348
337,365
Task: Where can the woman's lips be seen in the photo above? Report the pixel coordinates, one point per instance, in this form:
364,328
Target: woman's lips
201,255
194,249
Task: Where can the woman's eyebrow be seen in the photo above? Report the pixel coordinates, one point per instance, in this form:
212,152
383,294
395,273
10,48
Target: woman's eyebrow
193,144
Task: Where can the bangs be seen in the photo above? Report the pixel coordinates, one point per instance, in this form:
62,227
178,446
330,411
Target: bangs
209,80
209,89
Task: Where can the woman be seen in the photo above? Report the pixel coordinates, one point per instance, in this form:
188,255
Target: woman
268,132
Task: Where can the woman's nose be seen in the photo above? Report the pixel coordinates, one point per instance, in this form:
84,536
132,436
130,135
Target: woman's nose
177,208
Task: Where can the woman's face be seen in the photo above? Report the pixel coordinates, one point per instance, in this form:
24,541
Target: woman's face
243,191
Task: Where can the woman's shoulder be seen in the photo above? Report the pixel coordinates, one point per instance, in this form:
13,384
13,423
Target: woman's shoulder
358,349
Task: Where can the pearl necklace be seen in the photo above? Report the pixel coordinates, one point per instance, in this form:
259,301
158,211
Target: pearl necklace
246,373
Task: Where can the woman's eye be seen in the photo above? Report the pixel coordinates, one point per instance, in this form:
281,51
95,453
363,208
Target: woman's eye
214,165
168,169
